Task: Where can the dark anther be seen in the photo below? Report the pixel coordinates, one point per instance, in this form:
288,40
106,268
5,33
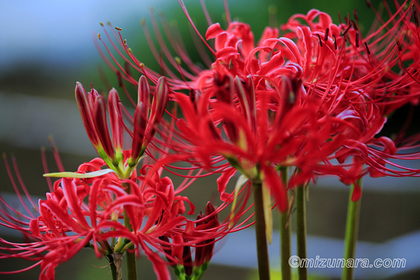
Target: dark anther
335,42
368,4
192,95
398,45
357,40
327,32
367,48
319,37
160,218
345,31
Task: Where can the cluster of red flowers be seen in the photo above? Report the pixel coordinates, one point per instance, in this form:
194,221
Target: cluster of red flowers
313,100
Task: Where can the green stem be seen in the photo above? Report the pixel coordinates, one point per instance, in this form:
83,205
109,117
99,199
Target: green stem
285,236
117,261
131,258
260,232
301,230
285,248
112,266
131,266
352,228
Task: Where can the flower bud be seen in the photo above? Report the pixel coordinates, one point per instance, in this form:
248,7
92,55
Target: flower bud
204,250
102,127
140,123
116,119
86,113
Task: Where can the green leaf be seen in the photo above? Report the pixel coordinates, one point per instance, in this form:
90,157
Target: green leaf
79,175
241,181
267,213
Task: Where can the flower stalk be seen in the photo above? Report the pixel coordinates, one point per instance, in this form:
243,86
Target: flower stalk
131,258
285,236
112,266
131,266
352,228
301,229
260,232
117,260
285,248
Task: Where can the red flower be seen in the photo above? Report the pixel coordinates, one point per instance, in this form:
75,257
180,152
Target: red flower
199,236
146,118
82,213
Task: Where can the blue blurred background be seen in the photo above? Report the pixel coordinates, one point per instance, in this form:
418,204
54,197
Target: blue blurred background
46,46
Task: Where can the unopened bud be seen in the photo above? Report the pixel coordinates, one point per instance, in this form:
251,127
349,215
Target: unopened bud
161,97
204,250
187,261
102,127
116,118
86,113
140,123
143,91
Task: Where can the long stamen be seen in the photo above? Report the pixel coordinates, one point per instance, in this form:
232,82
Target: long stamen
15,187
184,8
206,12
227,12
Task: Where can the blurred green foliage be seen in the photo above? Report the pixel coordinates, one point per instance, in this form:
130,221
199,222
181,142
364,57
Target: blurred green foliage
276,275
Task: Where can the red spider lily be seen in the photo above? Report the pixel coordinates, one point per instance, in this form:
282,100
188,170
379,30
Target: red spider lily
286,101
326,83
266,112
381,69
293,136
336,71
179,250
147,116
88,212
80,213
373,62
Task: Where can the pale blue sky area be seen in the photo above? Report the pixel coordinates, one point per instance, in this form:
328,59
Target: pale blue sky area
59,31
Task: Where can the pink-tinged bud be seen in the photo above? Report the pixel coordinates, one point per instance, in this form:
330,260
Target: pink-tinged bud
140,123
161,99
86,113
93,97
144,92
158,108
116,119
102,127
204,250
187,261
210,210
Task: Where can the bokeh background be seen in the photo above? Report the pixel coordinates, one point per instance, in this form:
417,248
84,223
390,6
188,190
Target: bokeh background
46,46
